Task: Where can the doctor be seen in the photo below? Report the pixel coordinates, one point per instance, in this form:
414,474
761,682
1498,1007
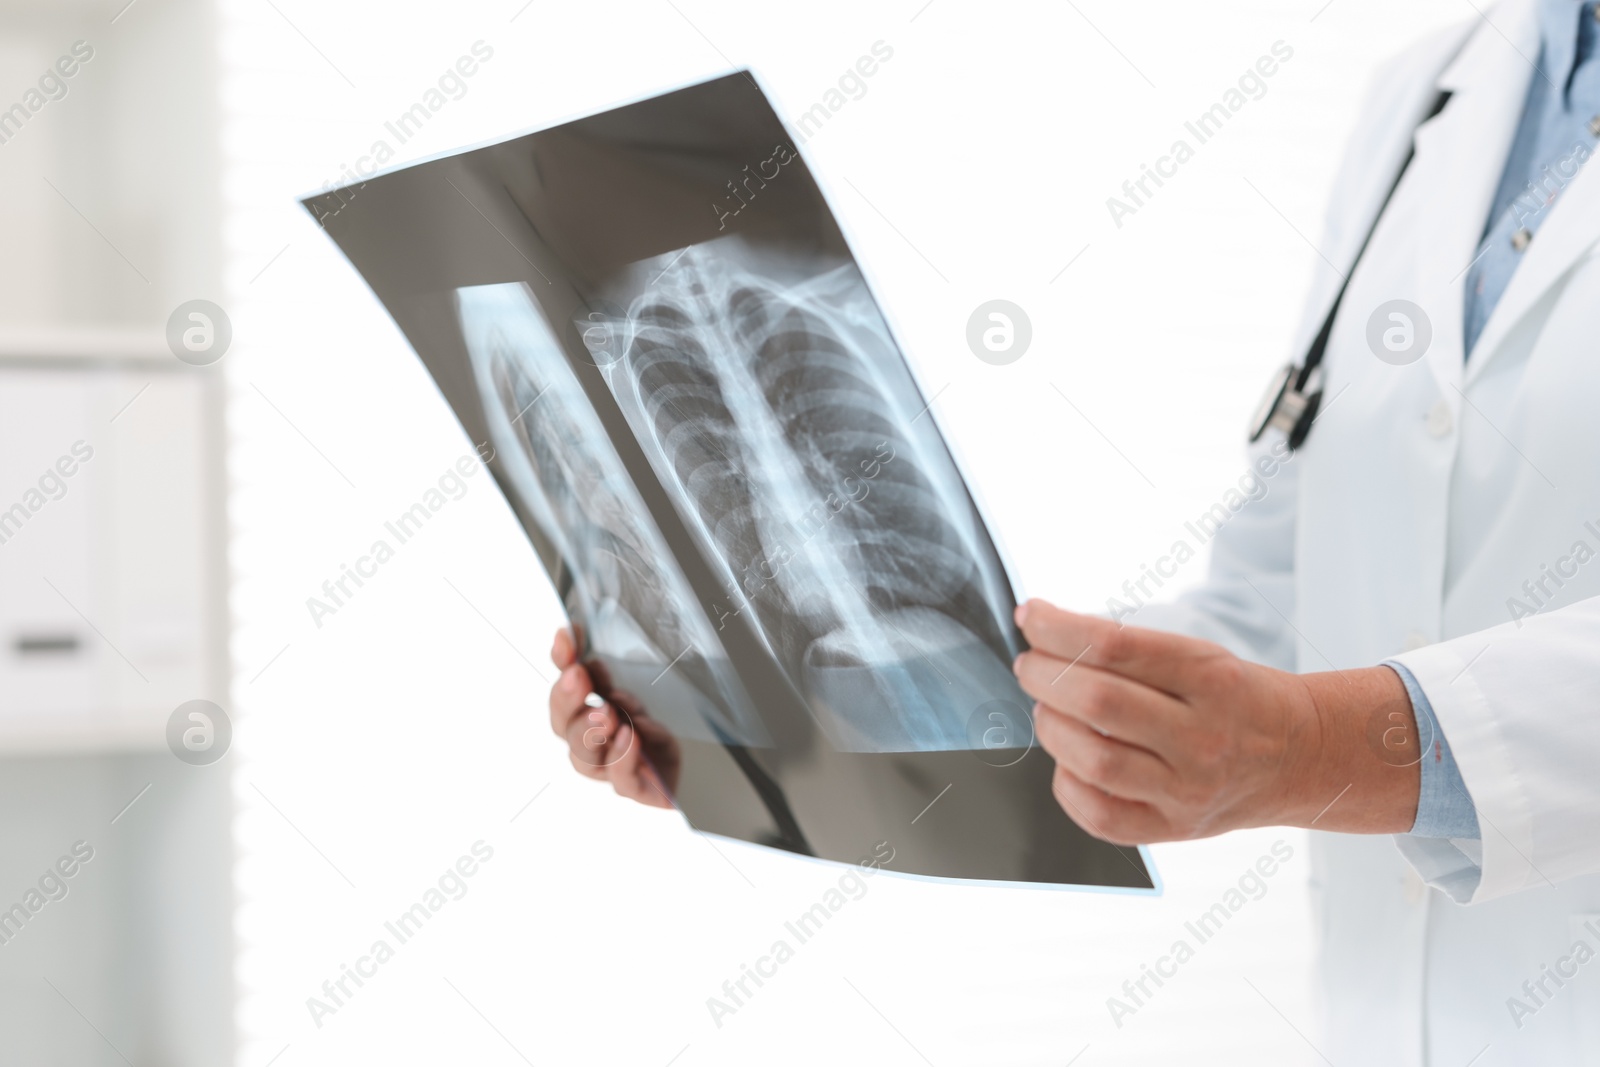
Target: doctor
1401,643
1431,564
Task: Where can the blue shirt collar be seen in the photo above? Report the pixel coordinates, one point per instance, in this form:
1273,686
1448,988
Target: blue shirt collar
1560,27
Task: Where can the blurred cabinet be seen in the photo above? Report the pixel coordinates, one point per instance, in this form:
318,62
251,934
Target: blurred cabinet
113,576
110,549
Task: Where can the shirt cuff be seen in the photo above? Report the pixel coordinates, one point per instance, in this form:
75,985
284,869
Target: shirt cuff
1444,807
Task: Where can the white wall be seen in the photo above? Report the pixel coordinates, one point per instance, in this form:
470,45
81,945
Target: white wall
376,749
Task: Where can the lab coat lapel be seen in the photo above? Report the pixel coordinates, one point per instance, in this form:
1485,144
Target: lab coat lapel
1460,154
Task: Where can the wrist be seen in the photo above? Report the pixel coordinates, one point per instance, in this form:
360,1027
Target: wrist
1304,772
1354,757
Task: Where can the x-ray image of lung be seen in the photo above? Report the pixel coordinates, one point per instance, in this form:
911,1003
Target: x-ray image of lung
771,398
723,459
626,587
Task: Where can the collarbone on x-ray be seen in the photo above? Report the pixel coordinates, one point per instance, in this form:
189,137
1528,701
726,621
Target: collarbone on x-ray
773,401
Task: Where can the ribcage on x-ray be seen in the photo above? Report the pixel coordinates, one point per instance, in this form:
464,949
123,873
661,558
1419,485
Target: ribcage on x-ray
680,390
896,540
769,414
613,553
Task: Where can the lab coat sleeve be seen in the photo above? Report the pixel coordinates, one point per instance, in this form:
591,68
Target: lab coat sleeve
1247,598
1521,706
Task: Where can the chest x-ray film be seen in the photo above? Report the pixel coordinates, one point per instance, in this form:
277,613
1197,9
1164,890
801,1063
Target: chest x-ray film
716,447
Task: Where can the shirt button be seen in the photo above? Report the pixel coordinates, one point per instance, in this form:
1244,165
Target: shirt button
1594,123
1416,639
1522,239
1440,421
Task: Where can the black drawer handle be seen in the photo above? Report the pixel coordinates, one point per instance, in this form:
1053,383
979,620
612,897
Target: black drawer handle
46,644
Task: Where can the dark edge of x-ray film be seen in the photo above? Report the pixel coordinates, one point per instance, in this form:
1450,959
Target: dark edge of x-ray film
701,419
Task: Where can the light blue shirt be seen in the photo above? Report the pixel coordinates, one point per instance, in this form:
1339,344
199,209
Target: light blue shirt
1557,136
1554,141
1444,807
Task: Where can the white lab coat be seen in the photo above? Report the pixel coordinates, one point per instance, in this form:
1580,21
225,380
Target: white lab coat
1426,496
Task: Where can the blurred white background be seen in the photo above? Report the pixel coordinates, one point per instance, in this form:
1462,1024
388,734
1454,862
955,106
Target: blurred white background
375,749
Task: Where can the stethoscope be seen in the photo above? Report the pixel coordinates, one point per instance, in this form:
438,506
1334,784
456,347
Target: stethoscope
1294,395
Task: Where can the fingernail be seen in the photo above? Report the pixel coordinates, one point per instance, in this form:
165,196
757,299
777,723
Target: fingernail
569,679
1016,664
1021,614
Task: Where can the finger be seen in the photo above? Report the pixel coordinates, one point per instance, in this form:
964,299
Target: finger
656,737
627,703
563,653
651,731
1119,769
1166,661
589,737
631,776
623,764
662,752
587,769
1127,710
567,698
1121,822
